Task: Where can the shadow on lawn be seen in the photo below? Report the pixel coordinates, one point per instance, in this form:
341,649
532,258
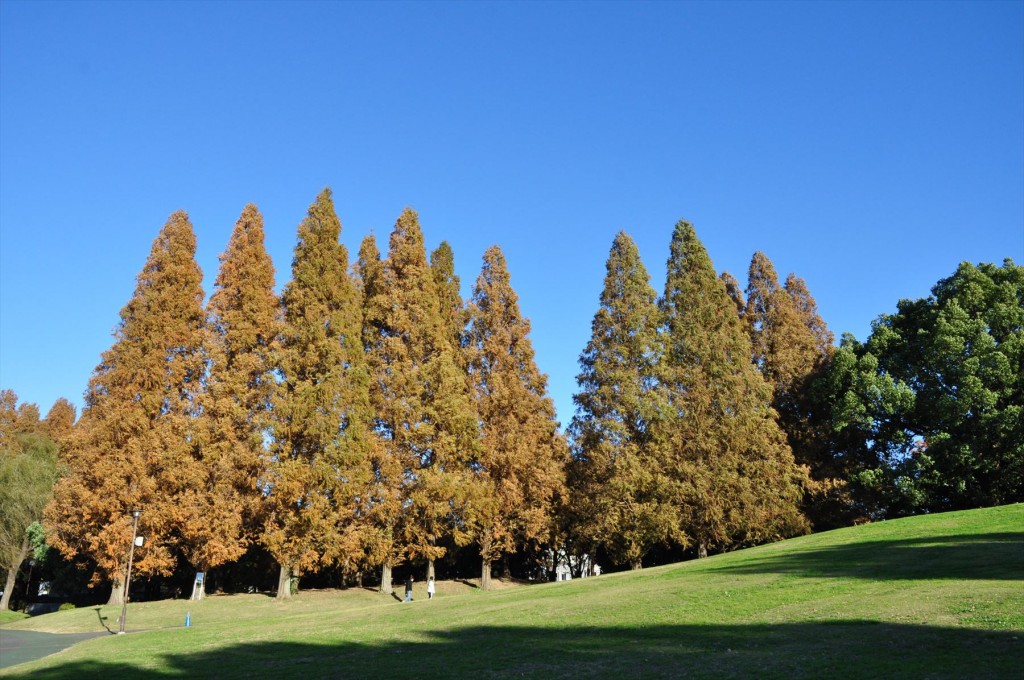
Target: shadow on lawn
841,649
997,556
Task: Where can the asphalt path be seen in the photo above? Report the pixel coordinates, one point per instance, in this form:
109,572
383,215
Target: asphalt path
19,646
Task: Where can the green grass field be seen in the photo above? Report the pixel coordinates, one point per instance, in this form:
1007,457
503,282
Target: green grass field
6,616
939,596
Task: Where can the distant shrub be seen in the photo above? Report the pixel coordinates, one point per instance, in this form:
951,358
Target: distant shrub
65,607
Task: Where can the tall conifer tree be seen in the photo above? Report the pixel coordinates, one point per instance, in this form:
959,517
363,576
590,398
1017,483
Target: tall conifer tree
807,312
385,498
622,495
467,490
524,455
732,287
320,468
454,315
421,401
786,346
8,416
792,346
244,321
134,446
60,420
738,481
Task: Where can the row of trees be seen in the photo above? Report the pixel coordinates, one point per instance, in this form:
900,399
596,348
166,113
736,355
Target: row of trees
675,438
363,419
369,417
671,441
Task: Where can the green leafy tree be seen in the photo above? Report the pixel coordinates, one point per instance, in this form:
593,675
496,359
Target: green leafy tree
320,467
134,446
959,443
622,497
524,455
28,472
862,403
735,472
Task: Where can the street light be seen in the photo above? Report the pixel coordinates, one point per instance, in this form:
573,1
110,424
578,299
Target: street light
128,578
31,563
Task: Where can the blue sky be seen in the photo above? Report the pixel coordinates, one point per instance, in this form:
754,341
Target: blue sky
868,147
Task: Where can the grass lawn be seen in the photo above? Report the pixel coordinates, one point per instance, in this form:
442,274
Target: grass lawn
6,616
938,596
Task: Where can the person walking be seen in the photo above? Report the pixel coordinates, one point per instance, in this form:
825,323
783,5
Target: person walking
408,589
430,588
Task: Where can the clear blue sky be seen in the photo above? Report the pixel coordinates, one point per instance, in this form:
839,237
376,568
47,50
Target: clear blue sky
868,147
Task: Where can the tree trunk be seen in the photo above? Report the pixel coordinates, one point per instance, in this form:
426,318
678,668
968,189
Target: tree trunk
116,593
430,570
5,601
12,574
702,550
359,578
636,565
284,583
385,580
506,571
485,575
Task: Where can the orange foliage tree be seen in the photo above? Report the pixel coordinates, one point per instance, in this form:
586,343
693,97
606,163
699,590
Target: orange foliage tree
319,471
134,446
524,454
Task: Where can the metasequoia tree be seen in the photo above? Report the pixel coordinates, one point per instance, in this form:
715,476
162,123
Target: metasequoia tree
454,315
732,287
385,495
134,446
420,398
807,312
621,493
226,504
790,340
319,468
60,420
719,436
28,472
524,455
792,347
467,491
8,416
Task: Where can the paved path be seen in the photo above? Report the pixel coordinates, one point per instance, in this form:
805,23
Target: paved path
19,646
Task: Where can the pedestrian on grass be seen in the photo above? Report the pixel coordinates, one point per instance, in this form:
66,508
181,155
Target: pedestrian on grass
408,589
430,588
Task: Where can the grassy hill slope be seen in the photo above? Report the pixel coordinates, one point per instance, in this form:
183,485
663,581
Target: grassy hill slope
938,596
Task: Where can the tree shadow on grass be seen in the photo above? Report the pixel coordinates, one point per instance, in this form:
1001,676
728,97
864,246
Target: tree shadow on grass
840,649
995,556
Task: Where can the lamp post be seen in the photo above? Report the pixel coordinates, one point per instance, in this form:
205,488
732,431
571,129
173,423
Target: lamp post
128,577
31,563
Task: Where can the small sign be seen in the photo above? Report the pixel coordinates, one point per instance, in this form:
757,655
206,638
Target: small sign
199,577
139,540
